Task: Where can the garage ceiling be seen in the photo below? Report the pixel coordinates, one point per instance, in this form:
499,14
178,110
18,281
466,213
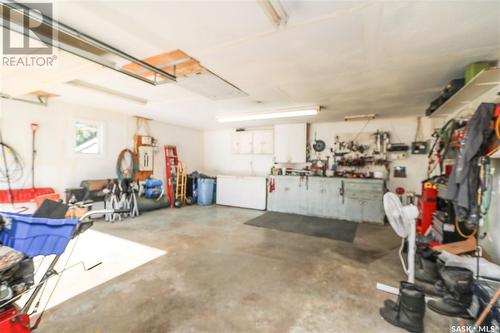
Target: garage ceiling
389,58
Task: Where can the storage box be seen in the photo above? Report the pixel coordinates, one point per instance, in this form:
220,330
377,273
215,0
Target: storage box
474,69
35,235
443,230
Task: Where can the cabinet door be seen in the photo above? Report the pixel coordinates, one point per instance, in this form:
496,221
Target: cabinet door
297,143
315,197
333,202
353,210
241,142
235,143
280,143
246,142
286,196
263,142
290,143
373,211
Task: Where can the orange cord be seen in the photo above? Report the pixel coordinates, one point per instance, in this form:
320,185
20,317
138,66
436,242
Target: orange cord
457,226
497,132
497,127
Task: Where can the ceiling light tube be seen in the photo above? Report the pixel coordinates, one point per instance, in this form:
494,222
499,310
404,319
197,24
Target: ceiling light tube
269,115
360,117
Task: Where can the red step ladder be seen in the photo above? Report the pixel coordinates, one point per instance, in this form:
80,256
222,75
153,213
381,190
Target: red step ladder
171,163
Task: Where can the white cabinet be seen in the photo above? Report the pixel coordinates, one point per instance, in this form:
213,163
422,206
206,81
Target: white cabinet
290,143
241,142
263,142
246,192
252,142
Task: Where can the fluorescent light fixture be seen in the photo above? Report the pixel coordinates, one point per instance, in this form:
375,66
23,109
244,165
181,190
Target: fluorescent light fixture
107,91
270,115
360,117
275,11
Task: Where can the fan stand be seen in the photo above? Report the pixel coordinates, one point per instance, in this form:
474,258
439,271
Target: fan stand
412,244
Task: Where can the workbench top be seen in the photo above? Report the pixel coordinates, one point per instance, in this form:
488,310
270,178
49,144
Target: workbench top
330,178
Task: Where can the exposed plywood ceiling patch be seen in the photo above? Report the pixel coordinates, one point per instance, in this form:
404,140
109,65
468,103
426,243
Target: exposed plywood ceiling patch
190,74
174,62
41,93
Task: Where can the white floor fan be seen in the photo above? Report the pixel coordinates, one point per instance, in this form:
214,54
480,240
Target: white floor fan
402,220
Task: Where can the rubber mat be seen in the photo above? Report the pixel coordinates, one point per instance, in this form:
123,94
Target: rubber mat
307,225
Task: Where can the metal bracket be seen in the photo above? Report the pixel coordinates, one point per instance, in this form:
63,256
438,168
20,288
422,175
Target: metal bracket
39,101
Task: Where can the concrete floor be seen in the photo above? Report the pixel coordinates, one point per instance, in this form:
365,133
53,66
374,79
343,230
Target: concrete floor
220,275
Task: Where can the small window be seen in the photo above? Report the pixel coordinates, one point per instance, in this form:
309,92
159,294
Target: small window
87,138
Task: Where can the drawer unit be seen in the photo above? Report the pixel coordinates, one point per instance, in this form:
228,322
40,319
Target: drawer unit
363,185
362,195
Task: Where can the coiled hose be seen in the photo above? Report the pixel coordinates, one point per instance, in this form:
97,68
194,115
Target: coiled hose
126,168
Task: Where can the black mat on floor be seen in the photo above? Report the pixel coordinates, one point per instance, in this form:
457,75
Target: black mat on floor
307,225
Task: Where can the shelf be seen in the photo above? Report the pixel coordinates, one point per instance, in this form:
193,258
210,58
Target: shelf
483,82
496,154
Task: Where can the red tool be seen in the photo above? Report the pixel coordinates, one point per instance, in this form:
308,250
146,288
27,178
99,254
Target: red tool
272,185
11,321
426,206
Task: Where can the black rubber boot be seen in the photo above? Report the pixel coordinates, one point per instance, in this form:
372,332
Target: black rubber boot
426,269
458,297
437,289
450,306
389,303
409,312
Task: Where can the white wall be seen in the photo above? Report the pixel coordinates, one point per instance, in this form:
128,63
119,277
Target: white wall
218,158
56,164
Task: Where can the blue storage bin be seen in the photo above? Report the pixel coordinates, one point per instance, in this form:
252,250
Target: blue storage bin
36,235
205,191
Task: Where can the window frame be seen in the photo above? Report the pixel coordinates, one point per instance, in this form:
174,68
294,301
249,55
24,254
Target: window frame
100,137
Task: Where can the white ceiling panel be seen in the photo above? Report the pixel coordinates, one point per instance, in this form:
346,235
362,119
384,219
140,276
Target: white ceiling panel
352,57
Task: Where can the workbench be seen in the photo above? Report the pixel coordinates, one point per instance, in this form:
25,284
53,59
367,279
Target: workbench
353,199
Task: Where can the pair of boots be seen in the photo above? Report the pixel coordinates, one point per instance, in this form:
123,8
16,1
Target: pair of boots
456,285
408,312
426,265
